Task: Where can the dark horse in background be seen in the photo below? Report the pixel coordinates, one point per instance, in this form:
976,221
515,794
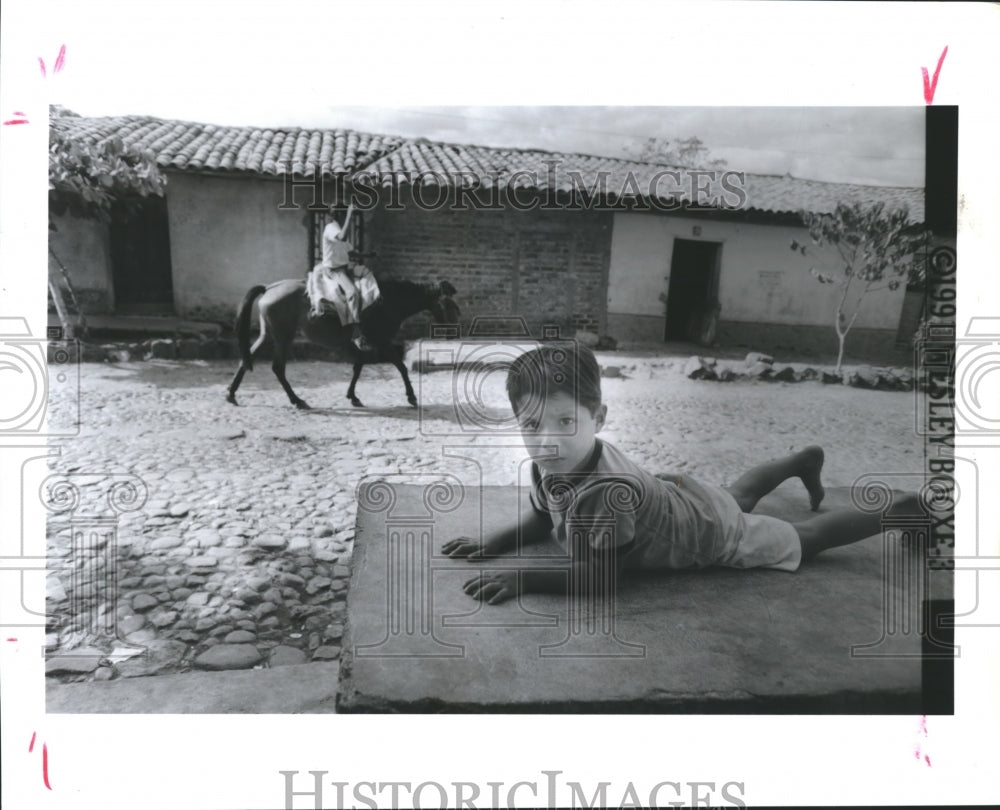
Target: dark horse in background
284,306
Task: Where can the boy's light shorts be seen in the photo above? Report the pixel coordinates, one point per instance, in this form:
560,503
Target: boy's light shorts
762,541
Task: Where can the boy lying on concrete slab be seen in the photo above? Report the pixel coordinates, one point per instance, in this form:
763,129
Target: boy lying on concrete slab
612,516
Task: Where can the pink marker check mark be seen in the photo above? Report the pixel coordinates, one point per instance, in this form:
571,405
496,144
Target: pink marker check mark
930,85
60,63
58,66
45,759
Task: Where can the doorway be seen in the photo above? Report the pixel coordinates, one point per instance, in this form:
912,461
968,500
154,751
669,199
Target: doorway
140,258
692,294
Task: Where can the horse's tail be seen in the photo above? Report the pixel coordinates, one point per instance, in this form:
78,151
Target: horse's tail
243,324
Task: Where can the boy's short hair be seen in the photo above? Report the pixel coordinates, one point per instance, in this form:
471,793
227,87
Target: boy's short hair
553,368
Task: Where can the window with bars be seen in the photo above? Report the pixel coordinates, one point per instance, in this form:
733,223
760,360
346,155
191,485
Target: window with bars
320,219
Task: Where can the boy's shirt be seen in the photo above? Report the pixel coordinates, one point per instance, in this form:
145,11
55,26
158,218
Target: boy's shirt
669,522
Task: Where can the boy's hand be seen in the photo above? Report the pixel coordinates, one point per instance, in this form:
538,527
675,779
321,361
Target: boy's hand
493,587
466,547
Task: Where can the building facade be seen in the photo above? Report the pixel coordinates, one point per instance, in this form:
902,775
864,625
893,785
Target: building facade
613,247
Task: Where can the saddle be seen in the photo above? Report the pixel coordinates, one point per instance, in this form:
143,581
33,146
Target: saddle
325,289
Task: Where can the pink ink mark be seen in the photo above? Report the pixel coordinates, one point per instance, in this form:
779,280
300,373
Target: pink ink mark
923,733
12,639
930,85
45,765
45,758
13,121
58,66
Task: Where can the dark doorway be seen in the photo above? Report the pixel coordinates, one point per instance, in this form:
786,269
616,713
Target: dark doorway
692,305
140,258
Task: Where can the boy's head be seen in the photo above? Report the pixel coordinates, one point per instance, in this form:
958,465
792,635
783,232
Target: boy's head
555,391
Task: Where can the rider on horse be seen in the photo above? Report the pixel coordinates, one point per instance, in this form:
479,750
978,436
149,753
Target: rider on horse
344,284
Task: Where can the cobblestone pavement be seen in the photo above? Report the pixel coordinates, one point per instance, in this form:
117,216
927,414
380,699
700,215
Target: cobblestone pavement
240,554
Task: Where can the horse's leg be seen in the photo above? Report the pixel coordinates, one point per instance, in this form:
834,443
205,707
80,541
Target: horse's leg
357,403
243,334
401,368
278,367
238,377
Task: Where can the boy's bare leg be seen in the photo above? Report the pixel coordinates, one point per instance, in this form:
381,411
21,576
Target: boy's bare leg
846,526
807,464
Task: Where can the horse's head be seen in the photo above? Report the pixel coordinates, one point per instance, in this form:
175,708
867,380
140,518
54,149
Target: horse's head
443,308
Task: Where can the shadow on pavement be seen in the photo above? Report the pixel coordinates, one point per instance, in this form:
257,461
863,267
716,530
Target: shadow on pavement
425,413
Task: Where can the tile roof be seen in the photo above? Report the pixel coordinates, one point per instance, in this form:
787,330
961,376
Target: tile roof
439,163
791,194
205,147
386,159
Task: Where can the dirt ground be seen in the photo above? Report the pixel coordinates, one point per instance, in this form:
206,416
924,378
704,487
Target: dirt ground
655,414
651,386
246,534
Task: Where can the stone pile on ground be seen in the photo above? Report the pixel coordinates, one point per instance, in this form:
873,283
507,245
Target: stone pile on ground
757,366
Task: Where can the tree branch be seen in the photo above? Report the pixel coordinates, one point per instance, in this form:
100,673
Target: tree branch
857,306
840,305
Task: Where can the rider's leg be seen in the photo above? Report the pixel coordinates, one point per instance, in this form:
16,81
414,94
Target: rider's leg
314,291
350,292
353,299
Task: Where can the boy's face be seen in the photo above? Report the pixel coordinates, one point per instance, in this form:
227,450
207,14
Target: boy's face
558,435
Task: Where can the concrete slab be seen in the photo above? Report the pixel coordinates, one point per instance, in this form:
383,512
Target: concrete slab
296,689
716,640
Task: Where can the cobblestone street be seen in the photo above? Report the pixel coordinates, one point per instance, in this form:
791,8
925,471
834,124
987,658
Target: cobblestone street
240,555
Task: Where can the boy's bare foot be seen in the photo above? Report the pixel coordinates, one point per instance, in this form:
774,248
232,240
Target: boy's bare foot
811,465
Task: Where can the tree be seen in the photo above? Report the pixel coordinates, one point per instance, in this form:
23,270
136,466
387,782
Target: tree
689,153
86,177
874,245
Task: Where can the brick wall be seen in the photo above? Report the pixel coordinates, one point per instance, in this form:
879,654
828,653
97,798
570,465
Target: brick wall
547,267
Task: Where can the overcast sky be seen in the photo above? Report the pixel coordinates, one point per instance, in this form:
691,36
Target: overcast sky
870,145
881,146
301,63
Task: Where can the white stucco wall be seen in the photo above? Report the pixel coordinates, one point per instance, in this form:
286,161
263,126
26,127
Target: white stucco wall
228,234
760,278
640,263
83,247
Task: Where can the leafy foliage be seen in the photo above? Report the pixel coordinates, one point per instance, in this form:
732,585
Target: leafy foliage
878,249
87,177
689,153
